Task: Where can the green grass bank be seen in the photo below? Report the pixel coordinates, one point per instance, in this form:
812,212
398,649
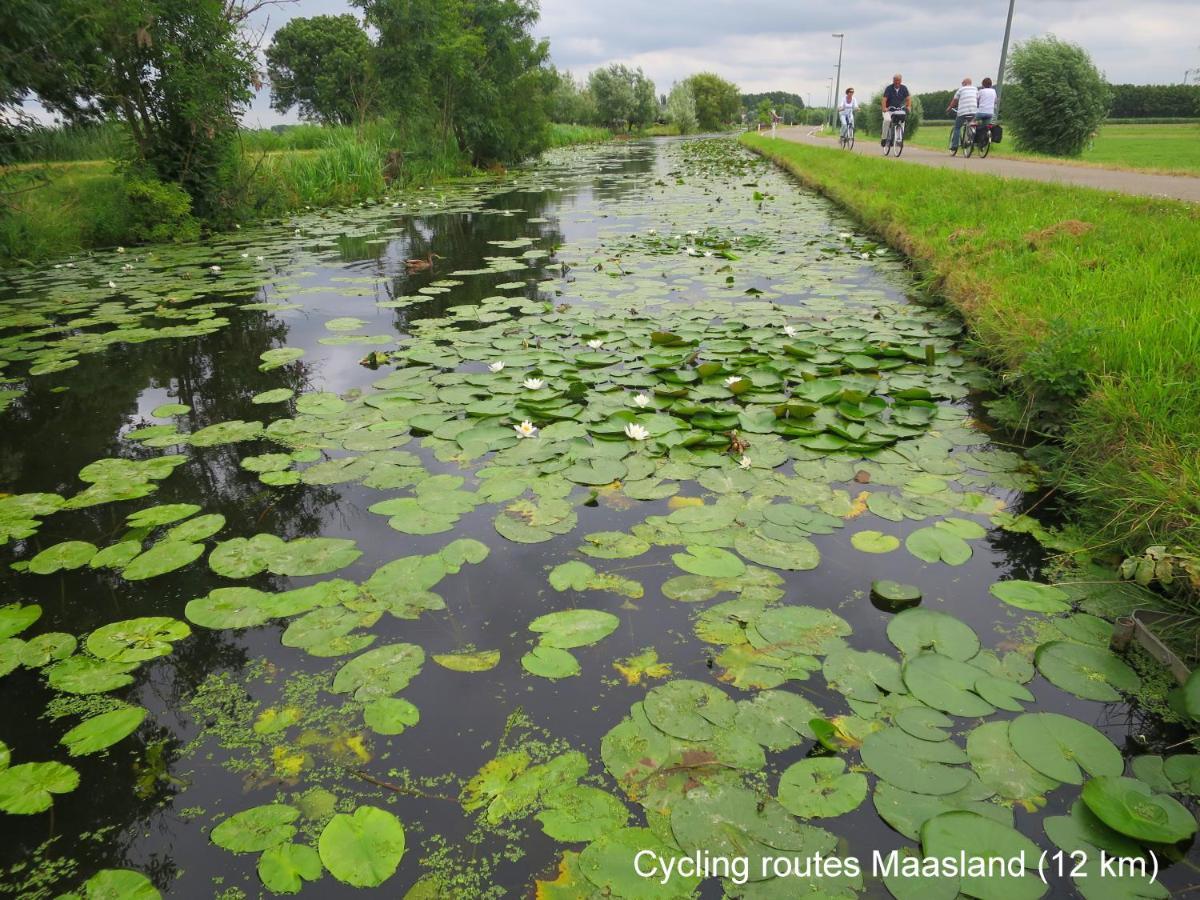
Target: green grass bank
1087,302
74,197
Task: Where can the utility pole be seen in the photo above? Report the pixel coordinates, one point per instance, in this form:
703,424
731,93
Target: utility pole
1004,56
841,36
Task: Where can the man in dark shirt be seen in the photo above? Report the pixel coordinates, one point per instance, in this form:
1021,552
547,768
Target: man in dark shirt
895,96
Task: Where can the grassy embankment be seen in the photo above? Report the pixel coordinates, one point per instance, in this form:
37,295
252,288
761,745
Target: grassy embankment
1159,148
1089,304
76,198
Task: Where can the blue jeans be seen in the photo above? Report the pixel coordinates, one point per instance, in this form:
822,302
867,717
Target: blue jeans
956,131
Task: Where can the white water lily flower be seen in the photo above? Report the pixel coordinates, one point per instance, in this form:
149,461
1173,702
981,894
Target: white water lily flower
641,400
692,251
237,227
789,331
845,235
216,270
651,231
496,366
245,256
636,432
296,232
259,258
120,249
744,462
595,345
126,267
708,253
533,383
526,429
58,265
112,285
693,231
732,380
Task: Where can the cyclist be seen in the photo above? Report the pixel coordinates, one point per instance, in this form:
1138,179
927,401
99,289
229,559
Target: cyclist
846,109
986,110
895,98
966,101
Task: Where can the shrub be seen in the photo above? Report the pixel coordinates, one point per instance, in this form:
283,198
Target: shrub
870,117
158,211
1054,98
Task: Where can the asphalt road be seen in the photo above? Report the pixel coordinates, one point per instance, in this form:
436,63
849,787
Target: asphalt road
1175,187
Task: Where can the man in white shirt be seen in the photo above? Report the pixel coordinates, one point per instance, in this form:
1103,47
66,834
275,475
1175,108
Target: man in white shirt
966,102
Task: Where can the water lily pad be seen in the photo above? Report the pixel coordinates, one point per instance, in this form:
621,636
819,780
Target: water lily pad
380,672
1032,596
893,595
390,715
136,640
16,617
283,869
1001,770
613,545
165,556
104,730
938,545
863,676
119,884
550,662
874,542
1093,673
45,648
197,529
65,556
926,767
238,607
480,661
959,832
29,788
87,675
362,849
579,576
606,864
689,709
1130,807
574,627
710,561
821,788
275,395
776,719
790,556
945,684
917,630
154,516
582,813
1063,748
256,829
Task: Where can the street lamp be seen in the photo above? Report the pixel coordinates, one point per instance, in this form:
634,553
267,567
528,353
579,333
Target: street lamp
841,36
1003,57
829,94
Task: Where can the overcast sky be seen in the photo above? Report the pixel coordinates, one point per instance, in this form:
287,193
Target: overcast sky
786,45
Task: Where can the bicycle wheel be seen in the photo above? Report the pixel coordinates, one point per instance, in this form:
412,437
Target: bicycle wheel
968,146
899,140
986,147
891,138
850,140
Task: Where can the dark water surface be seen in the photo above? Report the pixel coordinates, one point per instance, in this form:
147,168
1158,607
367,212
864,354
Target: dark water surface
613,225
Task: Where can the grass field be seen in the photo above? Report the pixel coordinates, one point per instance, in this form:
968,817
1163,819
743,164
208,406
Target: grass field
1089,304
1164,148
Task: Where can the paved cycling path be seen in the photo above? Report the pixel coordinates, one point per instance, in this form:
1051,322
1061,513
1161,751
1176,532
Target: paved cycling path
1176,187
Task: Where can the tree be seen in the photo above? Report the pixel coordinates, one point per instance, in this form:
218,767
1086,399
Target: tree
324,65
177,73
1054,98
624,97
569,101
717,101
470,68
681,108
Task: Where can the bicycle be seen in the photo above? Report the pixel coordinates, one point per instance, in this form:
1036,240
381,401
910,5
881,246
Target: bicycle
895,132
846,140
975,137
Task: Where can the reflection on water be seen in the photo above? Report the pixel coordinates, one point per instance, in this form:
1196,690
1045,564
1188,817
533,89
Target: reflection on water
147,804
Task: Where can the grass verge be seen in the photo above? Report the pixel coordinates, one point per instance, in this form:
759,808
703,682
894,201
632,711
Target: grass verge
1086,301
1168,149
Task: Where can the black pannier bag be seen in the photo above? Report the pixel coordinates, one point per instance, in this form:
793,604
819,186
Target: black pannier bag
997,133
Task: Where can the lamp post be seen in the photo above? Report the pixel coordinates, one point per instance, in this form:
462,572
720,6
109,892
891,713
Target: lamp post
829,103
1003,56
841,36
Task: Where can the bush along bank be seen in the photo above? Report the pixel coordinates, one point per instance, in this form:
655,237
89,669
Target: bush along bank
58,208
1087,302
